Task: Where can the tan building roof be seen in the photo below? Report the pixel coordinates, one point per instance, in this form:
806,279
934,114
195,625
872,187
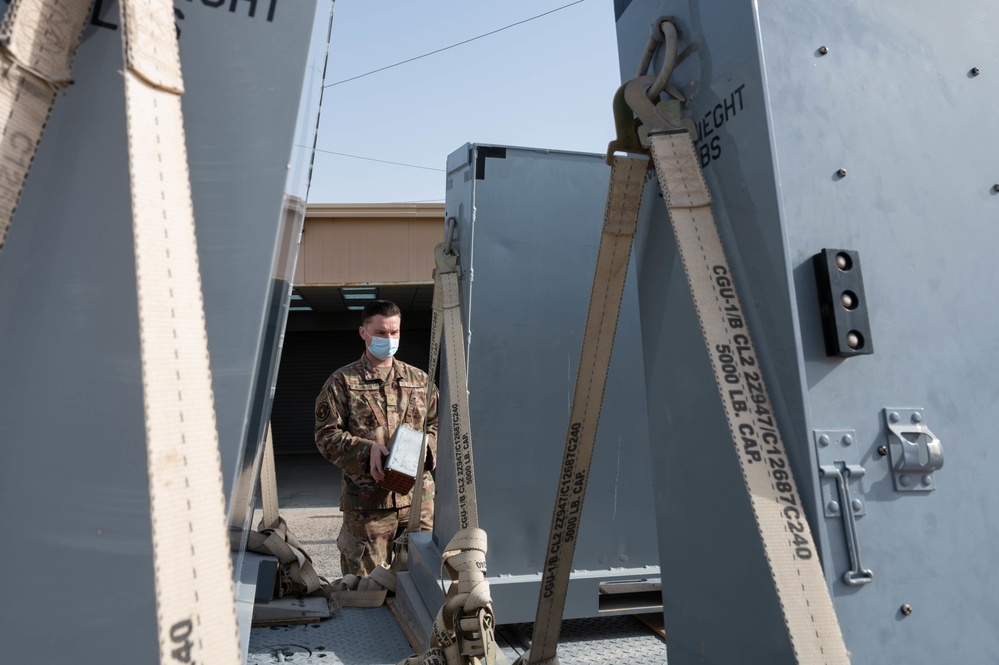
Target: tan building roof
351,253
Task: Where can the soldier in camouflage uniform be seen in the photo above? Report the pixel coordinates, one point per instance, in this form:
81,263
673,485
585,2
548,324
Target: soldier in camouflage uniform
357,412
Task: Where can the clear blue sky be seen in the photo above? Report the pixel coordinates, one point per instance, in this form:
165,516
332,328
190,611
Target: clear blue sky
547,83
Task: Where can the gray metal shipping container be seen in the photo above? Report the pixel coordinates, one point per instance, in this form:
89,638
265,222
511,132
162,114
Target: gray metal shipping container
73,470
785,95
528,228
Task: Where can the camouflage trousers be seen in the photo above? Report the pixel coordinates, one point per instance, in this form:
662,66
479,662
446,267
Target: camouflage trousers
366,538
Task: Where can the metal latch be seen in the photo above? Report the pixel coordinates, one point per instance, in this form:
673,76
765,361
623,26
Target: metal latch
915,451
839,466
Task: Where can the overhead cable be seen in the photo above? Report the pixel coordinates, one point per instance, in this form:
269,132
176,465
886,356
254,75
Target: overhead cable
402,62
372,159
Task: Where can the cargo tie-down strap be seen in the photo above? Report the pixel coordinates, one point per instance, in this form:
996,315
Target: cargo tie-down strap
464,629
38,41
400,559
624,197
447,308
787,540
195,602
788,544
296,575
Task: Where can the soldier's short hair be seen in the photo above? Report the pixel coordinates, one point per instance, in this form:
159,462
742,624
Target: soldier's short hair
379,307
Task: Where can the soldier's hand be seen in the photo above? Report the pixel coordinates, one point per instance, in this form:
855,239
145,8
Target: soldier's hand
378,453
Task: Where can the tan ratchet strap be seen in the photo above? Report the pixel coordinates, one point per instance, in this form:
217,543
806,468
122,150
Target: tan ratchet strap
38,41
435,336
809,615
195,601
624,198
463,631
296,576
446,281
780,516
268,483
400,559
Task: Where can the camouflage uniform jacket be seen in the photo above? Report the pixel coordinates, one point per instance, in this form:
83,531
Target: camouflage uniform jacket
355,409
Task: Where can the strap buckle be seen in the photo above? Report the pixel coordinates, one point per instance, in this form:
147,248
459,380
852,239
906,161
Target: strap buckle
636,117
474,635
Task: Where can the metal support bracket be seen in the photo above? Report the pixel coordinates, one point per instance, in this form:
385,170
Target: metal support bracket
839,467
914,450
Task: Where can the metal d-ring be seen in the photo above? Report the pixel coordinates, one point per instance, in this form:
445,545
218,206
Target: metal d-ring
670,42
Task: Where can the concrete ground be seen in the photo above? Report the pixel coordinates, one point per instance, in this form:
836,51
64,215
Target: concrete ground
309,500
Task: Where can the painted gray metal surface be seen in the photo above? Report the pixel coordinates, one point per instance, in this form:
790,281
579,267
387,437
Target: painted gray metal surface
72,444
353,636
528,230
370,636
895,103
610,640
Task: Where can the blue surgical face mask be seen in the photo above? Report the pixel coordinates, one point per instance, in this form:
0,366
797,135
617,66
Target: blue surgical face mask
383,348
